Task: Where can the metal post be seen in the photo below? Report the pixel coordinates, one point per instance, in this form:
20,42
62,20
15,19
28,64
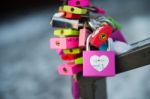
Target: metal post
96,88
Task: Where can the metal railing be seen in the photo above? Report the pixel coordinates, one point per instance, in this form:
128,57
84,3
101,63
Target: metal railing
96,88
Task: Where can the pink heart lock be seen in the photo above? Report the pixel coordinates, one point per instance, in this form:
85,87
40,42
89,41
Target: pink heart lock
98,63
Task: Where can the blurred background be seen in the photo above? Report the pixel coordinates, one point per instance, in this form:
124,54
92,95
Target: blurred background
28,68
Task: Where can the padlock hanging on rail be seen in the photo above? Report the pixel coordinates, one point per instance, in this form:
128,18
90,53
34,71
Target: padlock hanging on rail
98,63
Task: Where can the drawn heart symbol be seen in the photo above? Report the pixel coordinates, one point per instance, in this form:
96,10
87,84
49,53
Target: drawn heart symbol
99,63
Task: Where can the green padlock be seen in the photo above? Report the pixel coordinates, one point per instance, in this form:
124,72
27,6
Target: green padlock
79,60
115,23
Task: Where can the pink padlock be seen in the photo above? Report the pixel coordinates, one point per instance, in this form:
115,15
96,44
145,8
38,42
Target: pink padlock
98,63
83,36
79,3
60,51
69,69
64,43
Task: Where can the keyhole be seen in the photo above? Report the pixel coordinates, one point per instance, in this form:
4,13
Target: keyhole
72,9
62,32
103,36
71,50
57,43
78,3
65,70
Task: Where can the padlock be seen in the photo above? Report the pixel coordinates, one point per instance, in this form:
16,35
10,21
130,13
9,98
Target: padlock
69,69
67,57
74,10
59,51
96,9
75,87
101,35
60,9
99,10
118,36
72,16
114,23
72,51
64,43
79,60
83,36
103,47
79,3
66,32
98,63
59,14
65,23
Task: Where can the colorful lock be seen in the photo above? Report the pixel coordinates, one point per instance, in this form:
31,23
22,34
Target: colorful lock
101,35
64,43
83,36
72,51
103,47
67,57
69,69
79,60
98,63
58,22
66,32
59,51
72,16
118,36
79,3
74,10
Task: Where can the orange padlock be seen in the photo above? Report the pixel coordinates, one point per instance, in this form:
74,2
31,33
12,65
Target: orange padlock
72,16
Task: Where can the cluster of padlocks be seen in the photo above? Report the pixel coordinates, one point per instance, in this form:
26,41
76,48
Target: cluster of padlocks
86,43
86,40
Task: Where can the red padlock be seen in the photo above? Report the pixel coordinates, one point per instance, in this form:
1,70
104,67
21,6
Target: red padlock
67,57
72,16
101,35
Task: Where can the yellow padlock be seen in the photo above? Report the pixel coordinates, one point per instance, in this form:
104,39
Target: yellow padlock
72,51
74,10
66,32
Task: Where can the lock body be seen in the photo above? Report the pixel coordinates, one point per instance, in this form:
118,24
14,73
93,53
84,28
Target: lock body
79,60
79,3
118,36
74,10
72,16
103,47
64,43
65,23
59,51
69,69
67,57
98,63
101,35
66,32
83,36
72,51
